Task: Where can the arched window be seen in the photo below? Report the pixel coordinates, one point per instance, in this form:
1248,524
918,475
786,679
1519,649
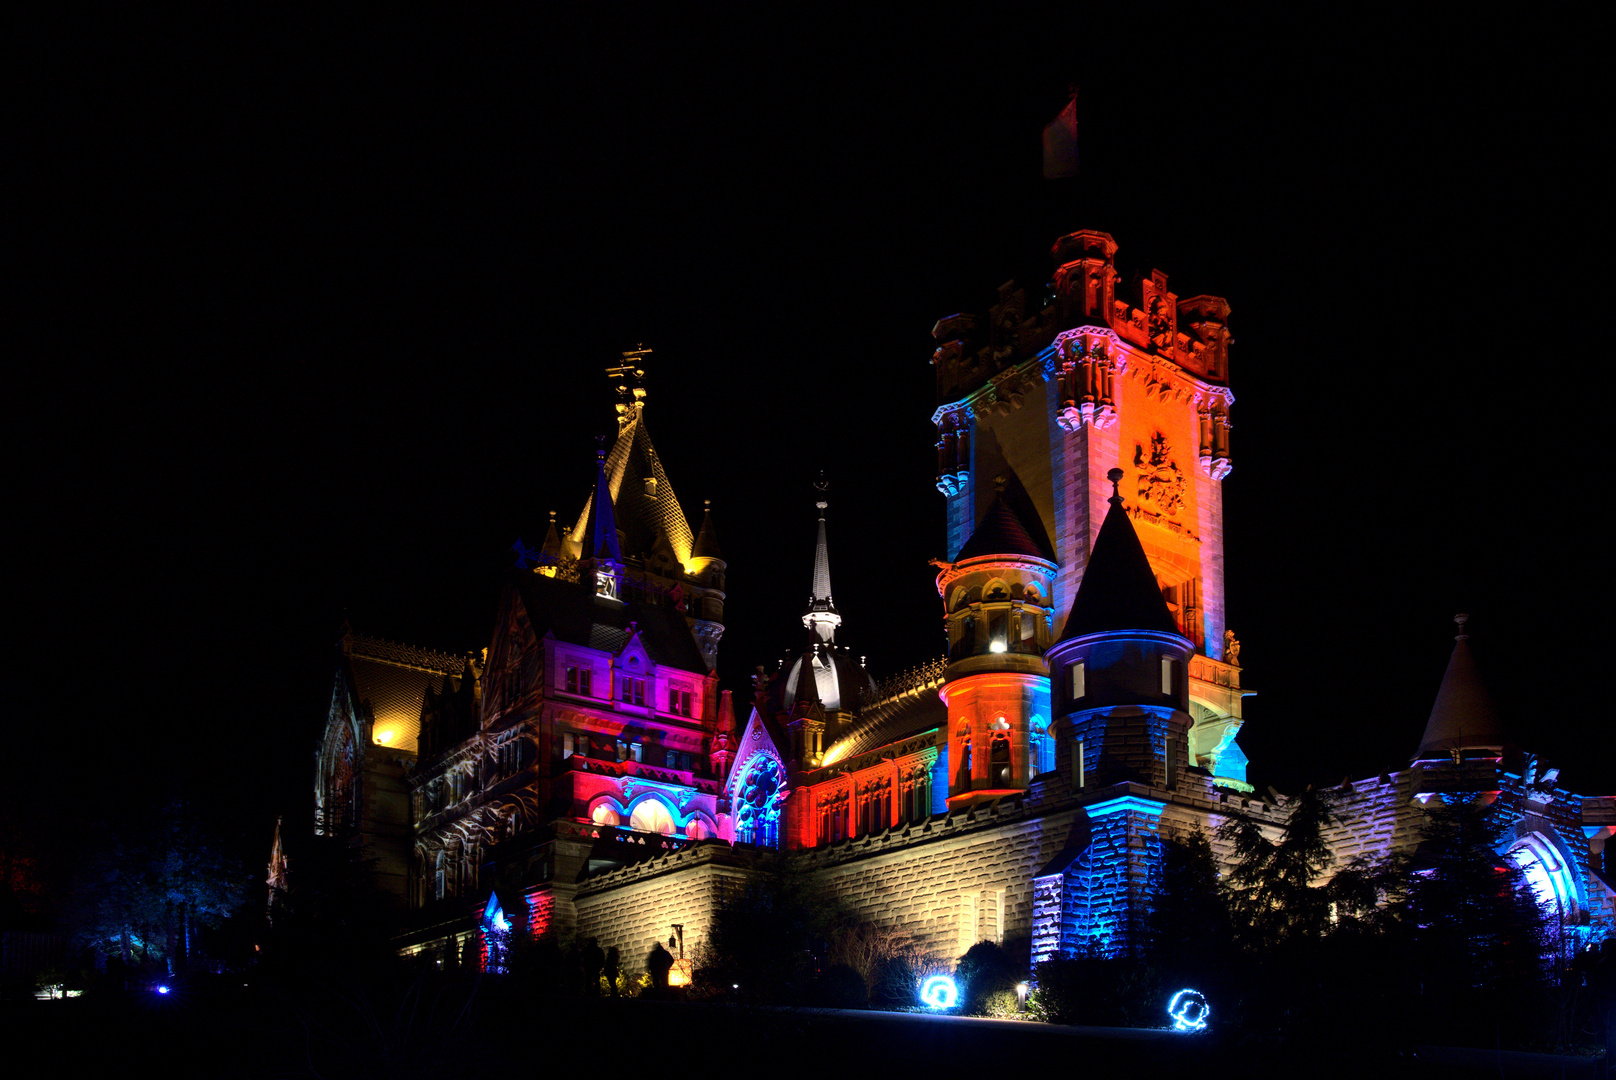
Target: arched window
757,807
605,814
652,816
1552,882
1002,773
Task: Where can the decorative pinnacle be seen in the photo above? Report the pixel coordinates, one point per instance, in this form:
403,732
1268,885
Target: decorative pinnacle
1460,620
1115,476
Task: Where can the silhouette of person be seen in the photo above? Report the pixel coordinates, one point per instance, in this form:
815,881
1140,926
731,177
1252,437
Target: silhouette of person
612,957
594,960
658,963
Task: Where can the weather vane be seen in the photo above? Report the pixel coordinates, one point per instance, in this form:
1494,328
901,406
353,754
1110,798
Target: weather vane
629,369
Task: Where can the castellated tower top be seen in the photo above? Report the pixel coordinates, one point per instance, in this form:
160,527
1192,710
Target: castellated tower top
1192,333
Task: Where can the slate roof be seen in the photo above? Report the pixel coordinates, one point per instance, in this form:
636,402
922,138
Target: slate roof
706,545
893,720
643,518
392,680
1003,532
575,614
1119,589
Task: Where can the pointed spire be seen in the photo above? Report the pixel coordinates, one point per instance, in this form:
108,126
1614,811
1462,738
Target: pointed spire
1464,717
1119,589
822,617
706,546
551,548
605,538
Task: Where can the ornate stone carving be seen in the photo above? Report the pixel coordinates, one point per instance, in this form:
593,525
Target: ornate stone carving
1161,482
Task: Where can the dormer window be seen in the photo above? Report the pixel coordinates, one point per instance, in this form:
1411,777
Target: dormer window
650,486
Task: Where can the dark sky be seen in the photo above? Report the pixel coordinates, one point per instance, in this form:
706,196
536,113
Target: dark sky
315,313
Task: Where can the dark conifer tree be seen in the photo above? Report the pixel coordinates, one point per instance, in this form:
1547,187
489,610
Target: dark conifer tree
1477,933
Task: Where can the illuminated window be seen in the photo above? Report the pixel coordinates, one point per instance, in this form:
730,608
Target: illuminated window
696,830
569,745
631,690
652,816
1075,675
605,815
999,762
1167,675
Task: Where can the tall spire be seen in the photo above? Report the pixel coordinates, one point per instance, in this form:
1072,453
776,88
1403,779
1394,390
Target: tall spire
822,618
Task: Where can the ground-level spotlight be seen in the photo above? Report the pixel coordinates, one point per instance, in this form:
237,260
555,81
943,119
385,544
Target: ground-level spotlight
939,992
161,989
1021,995
1189,1011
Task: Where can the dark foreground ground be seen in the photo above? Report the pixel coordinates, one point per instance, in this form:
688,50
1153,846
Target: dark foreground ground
490,1031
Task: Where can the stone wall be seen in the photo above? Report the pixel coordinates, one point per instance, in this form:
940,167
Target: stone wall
635,908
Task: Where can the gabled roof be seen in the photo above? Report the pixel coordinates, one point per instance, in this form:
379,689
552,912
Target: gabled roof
1119,589
1002,532
1464,717
576,615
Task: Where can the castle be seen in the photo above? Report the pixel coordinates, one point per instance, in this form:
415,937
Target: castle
585,775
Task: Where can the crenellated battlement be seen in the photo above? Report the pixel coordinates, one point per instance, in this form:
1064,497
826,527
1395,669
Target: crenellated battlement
1192,333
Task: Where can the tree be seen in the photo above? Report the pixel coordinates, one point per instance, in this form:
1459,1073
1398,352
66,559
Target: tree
763,938
1188,933
145,886
1477,933
1271,885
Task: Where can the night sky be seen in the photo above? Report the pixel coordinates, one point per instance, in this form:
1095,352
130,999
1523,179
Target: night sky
315,314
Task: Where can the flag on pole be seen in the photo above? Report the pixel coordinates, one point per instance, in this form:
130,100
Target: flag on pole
1060,142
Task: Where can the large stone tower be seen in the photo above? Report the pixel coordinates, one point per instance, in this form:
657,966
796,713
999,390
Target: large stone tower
1053,398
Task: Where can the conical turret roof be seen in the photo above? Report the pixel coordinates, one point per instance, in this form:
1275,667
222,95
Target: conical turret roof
1002,532
1119,590
706,546
1464,716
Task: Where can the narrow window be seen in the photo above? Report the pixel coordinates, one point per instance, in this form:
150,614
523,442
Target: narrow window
569,745
572,680
1167,675
684,704
1077,680
583,681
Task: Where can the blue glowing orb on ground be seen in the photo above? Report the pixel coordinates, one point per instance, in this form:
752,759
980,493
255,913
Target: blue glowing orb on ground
1189,1011
939,992
161,989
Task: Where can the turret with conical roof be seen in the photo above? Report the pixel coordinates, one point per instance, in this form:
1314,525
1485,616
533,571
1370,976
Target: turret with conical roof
997,609
1120,672
1464,721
